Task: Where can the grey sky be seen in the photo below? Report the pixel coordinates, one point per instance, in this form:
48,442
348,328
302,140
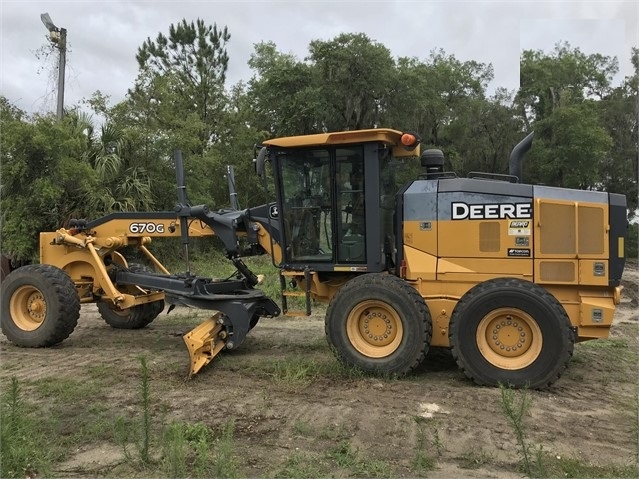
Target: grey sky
103,36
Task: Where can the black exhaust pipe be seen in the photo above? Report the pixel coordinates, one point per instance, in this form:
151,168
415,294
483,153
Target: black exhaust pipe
517,156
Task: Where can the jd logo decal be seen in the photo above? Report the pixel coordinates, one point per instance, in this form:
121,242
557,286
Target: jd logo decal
500,211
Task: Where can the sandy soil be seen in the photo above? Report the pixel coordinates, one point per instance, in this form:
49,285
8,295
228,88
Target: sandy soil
590,414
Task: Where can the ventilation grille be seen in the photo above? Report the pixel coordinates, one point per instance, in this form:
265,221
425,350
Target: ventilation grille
557,271
559,227
489,237
591,238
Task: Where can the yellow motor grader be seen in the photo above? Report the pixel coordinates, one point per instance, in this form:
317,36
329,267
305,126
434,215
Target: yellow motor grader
507,275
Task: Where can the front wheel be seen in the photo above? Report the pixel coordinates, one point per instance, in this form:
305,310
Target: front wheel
379,323
136,317
512,332
40,306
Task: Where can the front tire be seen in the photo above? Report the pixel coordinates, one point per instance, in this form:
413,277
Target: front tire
40,306
136,317
512,332
379,323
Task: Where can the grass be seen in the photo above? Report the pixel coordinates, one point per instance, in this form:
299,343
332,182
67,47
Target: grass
302,428
22,438
618,355
81,412
153,447
567,467
301,465
423,459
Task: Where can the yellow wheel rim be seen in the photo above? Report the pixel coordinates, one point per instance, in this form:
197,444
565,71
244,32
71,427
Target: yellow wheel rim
374,329
28,308
509,338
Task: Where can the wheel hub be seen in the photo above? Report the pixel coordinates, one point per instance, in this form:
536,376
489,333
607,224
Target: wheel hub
377,327
509,338
374,329
28,308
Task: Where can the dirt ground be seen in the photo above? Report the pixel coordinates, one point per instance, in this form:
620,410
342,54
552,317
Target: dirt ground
589,415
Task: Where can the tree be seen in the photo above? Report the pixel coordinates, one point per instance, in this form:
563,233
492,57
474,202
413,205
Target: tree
619,170
184,75
565,76
571,148
561,98
45,180
483,134
285,99
430,95
354,76
121,186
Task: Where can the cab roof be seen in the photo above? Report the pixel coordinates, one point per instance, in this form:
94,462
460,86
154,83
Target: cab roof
387,136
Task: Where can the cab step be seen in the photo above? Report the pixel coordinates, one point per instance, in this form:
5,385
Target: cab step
292,277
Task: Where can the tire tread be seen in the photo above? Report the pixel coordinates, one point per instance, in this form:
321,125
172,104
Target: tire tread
518,285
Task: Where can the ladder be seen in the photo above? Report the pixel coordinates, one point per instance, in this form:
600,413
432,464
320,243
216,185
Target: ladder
288,284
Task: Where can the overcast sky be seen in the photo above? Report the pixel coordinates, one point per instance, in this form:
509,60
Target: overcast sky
103,36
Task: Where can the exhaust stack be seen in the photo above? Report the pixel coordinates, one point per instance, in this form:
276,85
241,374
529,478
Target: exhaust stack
517,156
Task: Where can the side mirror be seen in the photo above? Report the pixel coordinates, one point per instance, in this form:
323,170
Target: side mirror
260,162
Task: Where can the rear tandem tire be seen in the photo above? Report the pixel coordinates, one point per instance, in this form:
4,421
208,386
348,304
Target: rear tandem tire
379,323
136,317
511,332
40,306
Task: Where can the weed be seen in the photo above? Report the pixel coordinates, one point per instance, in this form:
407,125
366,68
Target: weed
422,461
122,434
334,432
300,466
436,441
474,459
146,411
295,369
372,468
174,446
22,439
343,454
138,432
225,464
515,410
302,428
575,468
186,450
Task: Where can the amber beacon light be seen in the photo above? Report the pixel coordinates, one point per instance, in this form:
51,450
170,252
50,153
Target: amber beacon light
410,140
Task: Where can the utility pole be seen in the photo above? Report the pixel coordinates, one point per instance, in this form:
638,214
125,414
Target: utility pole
58,36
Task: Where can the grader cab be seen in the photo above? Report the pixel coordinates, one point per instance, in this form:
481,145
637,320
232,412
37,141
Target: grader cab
507,275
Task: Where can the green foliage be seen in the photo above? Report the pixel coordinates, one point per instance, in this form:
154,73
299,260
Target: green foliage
192,450
571,146
431,95
422,461
284,96
586,129
516,404
563,77
353,76
139,431
45,180
145,395
184,73
23,444
631,242
301,466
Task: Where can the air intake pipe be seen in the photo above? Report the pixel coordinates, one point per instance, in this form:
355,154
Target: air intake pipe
517,156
